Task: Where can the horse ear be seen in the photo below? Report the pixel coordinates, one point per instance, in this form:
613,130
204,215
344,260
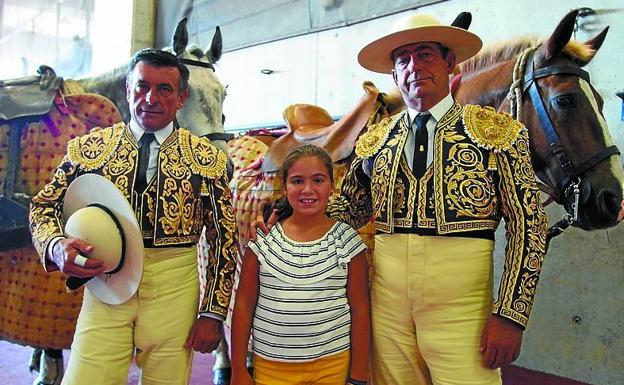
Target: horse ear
370,88
594,44
216,47
597,41
463,20
561,36
180,37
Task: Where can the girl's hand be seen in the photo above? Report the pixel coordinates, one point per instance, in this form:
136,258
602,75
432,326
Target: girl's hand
241,377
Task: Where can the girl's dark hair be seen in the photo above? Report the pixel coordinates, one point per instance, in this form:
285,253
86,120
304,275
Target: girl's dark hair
284,210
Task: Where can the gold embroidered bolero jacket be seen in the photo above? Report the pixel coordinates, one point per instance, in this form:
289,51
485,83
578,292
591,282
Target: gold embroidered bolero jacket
481,172
189,192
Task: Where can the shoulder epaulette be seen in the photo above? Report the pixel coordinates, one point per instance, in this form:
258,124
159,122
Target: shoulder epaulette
204,158
489,129
93,150
375,137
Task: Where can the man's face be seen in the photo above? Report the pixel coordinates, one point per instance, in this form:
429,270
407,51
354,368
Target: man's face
153,95
422,73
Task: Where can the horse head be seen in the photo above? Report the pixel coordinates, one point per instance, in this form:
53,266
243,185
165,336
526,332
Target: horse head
571,147
202,111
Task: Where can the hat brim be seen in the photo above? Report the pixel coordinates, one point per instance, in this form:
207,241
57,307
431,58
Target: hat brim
376,56
91,188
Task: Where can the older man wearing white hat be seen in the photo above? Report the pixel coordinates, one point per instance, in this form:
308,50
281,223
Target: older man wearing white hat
437,179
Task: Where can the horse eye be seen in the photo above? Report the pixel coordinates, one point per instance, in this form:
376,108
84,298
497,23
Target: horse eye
564,101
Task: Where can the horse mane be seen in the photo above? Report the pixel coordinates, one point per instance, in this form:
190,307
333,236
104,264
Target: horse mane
110,84
510,49
498,53
579,51
107,77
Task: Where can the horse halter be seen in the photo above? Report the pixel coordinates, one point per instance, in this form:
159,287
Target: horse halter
196,63
568,189
213,135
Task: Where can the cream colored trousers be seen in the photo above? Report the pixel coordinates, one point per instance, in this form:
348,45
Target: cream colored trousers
430,298
152,326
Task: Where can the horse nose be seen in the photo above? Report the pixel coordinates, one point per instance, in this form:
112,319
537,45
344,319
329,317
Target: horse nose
609,202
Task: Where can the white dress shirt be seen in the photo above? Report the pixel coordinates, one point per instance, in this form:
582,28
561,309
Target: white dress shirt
437,112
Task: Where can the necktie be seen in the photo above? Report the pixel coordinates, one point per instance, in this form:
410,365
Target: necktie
144,154
421,143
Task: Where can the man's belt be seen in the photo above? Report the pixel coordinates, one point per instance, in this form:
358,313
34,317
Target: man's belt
482,234
149,244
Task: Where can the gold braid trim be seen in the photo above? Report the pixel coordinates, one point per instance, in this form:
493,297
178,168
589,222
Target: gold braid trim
203,158
375,137
490,129
93,150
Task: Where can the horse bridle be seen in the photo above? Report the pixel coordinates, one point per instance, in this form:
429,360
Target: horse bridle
196,63
568,187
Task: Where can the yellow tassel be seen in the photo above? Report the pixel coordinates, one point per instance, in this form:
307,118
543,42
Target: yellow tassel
204,188
492,162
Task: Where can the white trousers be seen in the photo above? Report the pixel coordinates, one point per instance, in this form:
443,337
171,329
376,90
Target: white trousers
430,298
152,326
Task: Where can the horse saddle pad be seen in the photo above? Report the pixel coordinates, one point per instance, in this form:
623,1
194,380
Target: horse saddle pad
28,96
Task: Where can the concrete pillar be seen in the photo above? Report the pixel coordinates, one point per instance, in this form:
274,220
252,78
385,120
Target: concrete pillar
143,24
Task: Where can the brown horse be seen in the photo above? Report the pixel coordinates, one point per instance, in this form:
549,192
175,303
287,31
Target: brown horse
545,87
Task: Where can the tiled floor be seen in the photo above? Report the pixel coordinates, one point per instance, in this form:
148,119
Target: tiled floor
14,367
14,370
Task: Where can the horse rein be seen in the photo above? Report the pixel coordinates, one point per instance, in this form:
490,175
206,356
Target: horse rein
570,184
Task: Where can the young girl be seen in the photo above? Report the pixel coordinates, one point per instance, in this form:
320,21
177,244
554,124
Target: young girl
304,288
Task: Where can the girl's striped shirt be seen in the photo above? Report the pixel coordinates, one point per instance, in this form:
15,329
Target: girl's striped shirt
302,311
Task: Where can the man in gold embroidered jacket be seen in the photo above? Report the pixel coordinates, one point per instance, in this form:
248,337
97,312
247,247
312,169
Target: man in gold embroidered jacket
434,318
187,193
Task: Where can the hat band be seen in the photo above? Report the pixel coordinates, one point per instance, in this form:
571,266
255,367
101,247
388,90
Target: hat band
121,233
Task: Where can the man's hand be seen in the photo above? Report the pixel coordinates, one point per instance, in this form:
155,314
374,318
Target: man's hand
621,214
205,335
259,223
66,255
500,341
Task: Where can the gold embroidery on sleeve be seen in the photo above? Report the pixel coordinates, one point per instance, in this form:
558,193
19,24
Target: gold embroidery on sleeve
92,151
204,158
490,129
375,137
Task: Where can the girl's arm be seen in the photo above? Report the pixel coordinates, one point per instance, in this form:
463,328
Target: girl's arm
359,301
244,308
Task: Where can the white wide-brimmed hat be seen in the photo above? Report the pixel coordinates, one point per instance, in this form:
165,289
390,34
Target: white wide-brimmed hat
99,214
418,28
